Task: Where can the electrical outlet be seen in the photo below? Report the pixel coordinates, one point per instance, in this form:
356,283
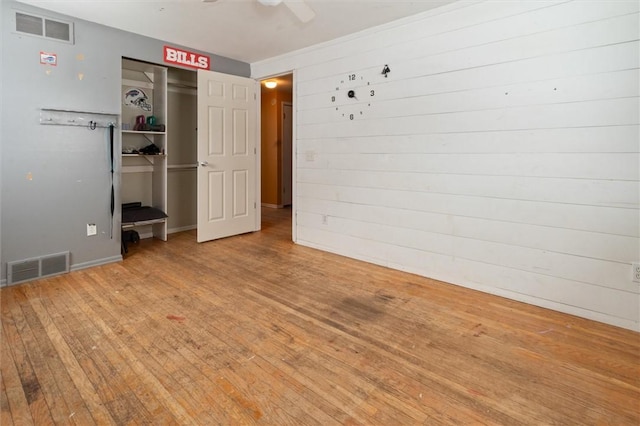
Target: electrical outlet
635,269
92,229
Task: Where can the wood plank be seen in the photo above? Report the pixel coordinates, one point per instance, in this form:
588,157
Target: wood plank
20,339
9,376
5,412
52,375
11,379
179,334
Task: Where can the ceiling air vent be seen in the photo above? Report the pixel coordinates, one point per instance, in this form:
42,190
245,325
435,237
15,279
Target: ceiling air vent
44,27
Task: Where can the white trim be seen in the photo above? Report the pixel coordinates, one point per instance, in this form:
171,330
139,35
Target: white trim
258,148
294,162
282,105
145,235
182,229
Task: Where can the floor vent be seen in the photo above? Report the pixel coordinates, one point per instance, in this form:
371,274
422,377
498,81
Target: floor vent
38,267
41,26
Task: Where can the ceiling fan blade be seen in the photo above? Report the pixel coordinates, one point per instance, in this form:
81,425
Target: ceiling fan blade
301,9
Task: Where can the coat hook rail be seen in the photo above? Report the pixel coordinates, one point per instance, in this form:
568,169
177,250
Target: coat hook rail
88,119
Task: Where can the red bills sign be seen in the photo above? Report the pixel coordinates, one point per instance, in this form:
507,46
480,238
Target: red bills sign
173,55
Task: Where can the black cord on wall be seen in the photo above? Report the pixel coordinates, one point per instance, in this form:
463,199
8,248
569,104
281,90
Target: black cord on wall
113,200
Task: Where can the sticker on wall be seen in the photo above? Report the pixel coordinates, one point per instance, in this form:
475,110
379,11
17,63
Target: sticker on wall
48,58
135,97
80,57
80,76
173,55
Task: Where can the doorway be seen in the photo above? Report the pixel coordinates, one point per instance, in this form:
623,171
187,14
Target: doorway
276,135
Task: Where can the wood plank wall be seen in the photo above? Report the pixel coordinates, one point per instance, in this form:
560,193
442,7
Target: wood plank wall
500,153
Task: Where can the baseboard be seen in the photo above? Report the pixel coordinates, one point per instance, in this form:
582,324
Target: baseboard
273,206
182,229
98,262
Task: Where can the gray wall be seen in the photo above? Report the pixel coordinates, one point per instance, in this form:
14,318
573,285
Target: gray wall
55,179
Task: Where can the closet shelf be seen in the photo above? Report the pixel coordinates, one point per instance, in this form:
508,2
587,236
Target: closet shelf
129,225
151,158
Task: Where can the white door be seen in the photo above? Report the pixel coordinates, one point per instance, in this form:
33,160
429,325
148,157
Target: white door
227,136
287,129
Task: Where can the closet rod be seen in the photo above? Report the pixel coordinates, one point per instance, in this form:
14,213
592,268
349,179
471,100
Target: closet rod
182,166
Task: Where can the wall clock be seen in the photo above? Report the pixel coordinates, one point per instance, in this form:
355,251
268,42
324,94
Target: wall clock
354,94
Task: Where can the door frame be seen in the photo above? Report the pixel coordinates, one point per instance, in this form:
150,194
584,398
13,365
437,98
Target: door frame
282,104
258,197
294,146
294,159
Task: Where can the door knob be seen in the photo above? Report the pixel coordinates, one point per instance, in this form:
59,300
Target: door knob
203,163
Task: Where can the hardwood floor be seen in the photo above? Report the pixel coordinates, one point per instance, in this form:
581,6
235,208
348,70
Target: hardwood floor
256,330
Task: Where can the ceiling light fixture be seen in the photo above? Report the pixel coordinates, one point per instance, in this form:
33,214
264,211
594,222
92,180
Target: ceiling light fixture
271,84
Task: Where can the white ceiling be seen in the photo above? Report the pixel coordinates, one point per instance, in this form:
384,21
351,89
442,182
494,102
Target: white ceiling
240,29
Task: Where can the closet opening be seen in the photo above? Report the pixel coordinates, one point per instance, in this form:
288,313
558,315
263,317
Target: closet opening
159,150
170,179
